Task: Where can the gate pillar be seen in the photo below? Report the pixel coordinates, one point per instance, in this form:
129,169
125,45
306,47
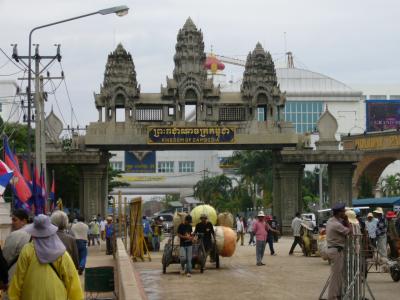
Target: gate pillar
93,190
287,193
340,183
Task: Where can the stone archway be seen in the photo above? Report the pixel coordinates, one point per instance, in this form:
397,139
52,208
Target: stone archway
372,165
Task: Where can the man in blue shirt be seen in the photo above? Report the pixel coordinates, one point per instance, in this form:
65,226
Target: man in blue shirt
109,236
381,230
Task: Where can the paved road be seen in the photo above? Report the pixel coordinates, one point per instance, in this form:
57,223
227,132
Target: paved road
283,277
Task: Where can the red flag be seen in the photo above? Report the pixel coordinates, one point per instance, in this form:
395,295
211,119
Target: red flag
25,171
21,187
16,161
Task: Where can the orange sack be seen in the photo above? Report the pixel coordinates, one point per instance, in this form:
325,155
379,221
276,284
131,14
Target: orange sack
226,240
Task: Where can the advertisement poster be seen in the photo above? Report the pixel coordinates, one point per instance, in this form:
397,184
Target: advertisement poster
140,161
383,115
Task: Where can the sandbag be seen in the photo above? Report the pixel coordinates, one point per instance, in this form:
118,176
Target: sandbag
226,240
179,217
323,246
203,209
225,219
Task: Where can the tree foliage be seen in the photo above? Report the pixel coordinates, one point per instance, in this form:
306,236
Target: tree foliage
390,185
366,188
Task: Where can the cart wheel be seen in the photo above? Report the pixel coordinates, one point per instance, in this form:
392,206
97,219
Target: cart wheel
395,273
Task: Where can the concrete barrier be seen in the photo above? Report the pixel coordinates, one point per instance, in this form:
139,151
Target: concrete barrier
129,283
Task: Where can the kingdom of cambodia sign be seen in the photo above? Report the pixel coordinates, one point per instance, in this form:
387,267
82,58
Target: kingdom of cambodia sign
191,135
377,142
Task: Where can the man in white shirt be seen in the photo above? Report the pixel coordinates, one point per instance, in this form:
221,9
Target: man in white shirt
240,231
371,224
80,231
296,226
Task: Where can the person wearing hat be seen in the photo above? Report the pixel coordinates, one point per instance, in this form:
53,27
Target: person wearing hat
260,232
381,233
206,231
296,227
337,228
392,235
94,232
186,245
109,233
370,225
44,269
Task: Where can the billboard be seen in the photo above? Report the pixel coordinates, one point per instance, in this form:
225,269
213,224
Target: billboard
383,115
140,161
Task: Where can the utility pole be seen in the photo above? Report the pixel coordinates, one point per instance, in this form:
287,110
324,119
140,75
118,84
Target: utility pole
39,98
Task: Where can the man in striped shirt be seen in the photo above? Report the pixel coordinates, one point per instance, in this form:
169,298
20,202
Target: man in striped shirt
296,226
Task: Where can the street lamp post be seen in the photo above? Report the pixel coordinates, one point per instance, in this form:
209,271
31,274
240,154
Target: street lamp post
118,10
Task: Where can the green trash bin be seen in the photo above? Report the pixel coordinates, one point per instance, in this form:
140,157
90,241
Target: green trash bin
99,279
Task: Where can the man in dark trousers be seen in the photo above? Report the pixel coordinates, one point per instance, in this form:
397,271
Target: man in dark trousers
337,228
296,226
206,230
186,246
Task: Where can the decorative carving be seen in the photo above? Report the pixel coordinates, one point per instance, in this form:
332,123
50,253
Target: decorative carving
120,87
327,128
189,82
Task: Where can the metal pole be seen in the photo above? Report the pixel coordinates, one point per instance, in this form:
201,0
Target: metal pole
125,223
120,214
321,201
42,135
38,112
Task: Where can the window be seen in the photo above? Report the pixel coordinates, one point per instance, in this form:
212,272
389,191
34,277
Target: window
186,166
165,167
232,113
116,165
209,111
171,111
303,114
149,113
261,114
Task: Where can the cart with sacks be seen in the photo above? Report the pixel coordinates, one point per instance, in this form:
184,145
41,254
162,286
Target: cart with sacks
171,253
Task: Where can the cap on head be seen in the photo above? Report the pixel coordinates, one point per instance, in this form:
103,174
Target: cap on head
357,211
390,215
370,215
338,207
161,218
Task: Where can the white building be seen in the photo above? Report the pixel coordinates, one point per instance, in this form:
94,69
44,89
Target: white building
9,103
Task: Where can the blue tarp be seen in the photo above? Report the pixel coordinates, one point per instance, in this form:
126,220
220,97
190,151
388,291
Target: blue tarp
382,202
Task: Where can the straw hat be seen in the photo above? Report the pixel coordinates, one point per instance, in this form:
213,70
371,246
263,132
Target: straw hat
378,210
390,215
41,227
351,215
370,215
260,214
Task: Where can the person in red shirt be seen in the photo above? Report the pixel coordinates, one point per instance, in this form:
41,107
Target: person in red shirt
260,232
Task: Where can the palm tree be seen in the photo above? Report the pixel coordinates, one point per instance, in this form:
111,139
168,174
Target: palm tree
390,185
213,190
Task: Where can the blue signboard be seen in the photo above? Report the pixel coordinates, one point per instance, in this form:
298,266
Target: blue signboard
383,115
140,161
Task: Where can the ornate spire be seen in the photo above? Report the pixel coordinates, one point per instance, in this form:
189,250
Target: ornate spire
259,73
119,79
189,76
120,69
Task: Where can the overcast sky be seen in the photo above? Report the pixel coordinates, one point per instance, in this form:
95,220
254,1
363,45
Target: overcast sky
356,42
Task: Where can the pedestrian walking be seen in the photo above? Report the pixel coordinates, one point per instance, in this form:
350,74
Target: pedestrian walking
103,229
94,232
240,231
109,233
60,219
250,223
44,269
337,228
156,229
186,245
206,232
16,240
296,227
275,225
80,231
260,232
381,234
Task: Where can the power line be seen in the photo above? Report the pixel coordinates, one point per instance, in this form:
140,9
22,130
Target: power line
22,69
68,96
12,74
58,106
